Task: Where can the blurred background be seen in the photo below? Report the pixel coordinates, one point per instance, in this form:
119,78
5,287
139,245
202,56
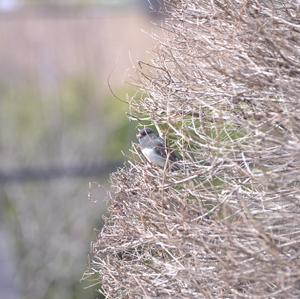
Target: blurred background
62,133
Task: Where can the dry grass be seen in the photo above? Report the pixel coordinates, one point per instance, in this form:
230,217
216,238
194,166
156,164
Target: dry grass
224,87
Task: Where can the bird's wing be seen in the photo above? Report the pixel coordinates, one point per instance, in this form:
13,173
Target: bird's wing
163,151
173,157
160,147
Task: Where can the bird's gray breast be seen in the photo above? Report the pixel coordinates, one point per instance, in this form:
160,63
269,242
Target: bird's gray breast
149,144
153,157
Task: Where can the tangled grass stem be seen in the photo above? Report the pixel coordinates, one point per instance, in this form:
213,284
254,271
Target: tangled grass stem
224,86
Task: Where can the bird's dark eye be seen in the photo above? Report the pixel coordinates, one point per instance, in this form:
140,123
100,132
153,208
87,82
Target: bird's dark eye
145,132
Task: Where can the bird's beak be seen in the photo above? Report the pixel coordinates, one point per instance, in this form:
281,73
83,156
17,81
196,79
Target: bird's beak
138,136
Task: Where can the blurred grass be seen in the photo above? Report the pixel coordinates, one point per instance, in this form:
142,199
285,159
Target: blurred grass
75,121
123,132
56,110
35,123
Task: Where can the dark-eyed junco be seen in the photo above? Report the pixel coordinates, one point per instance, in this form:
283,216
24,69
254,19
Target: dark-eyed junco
154,149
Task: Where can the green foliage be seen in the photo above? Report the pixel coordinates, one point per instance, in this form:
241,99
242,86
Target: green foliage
225,132
123,131
41,120
77,95
39,126
21,106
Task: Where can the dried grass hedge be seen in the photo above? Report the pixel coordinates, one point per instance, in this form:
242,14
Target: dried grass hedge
224,87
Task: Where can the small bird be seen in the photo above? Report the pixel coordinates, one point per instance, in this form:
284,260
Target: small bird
154,149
